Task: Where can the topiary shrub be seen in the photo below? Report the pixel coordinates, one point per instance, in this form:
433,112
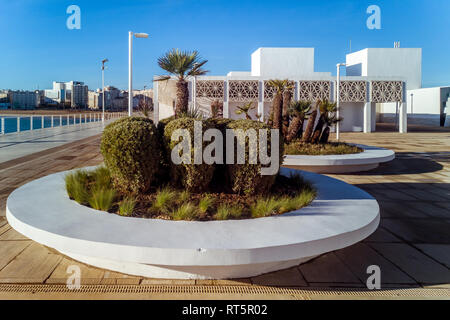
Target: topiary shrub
131,151
247,178
194,177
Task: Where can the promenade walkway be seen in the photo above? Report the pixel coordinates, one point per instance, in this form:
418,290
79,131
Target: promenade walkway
411,247
15,145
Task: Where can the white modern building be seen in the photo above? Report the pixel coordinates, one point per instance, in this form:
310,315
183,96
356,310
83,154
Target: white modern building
376,79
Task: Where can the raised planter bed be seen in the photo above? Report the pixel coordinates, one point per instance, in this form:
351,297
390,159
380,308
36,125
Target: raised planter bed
340,216
367,160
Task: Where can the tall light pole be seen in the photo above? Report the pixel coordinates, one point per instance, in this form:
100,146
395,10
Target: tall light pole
103,89
130,68
338,93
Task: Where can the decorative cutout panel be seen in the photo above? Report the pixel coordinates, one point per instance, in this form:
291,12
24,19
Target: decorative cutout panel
314,90
353,91
243,90
387,91
209,89
269,91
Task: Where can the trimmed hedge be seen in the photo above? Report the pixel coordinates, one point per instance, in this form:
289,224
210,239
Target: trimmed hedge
246,178
131,150
194,177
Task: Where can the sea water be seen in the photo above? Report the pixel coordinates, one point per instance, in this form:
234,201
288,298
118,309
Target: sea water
25,122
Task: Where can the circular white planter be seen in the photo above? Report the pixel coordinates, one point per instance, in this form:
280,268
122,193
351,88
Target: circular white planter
340,216
367,160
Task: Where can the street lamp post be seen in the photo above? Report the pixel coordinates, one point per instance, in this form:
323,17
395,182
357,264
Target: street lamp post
338,93
130,68
103,89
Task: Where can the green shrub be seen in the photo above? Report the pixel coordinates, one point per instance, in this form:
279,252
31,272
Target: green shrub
126,206
226,212
102,199
131,151
194,177
186,211
77,186
247,178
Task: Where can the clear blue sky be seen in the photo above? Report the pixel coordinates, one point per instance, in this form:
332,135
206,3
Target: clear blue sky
36,47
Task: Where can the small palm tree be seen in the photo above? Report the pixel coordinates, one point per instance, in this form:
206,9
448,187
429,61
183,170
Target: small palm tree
298,111
330,120
181,64
276,112
245,109
307,135
326,108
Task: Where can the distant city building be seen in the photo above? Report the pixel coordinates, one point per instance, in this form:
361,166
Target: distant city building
73,93
95,99
4,100
23,99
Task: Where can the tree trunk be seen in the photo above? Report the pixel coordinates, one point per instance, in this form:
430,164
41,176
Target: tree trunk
325,135
277,105
287,97
318,130
181,105
217,109
294,128
310,126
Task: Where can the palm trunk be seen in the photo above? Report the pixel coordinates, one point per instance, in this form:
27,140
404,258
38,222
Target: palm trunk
318,130
181,105
310,127
287,97
294,128
325,135
277,105
217,109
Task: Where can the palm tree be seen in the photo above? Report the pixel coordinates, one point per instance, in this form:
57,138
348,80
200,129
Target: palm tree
330,120
298,111
181,64
325,108
310,126
287,97
245,109
217,109
277,104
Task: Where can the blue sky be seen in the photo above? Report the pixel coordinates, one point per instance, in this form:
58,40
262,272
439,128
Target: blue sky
36,47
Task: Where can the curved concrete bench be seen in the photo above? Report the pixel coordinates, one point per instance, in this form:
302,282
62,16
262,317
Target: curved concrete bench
340,216
367,160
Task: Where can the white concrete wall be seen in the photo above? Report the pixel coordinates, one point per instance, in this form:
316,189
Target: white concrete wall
282,63
388,62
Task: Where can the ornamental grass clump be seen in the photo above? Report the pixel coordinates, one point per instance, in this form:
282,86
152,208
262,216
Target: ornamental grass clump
164,200
131,149
126,206
226,212
102,199
186,211
77,186
205,204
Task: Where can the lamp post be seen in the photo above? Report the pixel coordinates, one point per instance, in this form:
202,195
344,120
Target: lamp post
338,85
130,68
103,89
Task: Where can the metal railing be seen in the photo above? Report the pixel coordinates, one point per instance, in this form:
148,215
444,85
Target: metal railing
15,123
